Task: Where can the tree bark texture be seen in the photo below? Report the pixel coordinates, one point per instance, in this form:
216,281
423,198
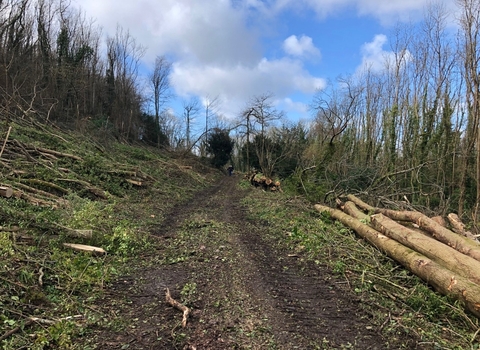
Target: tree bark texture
443,234
439,277
441,253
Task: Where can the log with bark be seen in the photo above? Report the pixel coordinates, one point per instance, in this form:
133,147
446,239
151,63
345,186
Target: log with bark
439,277
134,182
441,253
443,234
439,220
264,182
47,185
56,153
77,233
95,190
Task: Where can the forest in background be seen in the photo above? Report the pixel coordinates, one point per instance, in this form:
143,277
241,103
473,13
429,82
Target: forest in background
407,130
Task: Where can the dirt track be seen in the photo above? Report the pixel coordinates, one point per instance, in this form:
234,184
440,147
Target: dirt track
246,289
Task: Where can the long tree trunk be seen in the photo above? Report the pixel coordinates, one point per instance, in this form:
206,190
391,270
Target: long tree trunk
440,278
444,235
455,261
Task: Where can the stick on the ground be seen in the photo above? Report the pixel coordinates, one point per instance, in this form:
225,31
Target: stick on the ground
85,248
31,320
5,141
179,306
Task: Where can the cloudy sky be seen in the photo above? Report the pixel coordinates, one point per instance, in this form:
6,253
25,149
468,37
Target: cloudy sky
237,49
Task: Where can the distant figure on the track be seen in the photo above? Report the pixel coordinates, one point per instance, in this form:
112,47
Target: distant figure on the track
230,170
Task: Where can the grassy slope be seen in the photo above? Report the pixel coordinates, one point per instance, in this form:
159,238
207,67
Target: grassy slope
121,223
38,276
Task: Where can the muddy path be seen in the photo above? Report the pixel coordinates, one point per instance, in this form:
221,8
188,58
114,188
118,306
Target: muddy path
245,288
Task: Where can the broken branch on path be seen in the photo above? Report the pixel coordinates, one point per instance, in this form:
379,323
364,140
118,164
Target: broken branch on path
179,306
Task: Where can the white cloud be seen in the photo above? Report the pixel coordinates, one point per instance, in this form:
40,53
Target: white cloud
235,85
374,57
216,49
216,45
377,60
295,107
211,31
386,11
302,47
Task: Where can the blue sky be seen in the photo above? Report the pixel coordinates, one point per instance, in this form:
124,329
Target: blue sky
237,49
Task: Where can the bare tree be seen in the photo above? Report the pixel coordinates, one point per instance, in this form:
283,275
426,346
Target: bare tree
191,108
172,127
262,112
211,105
161,89
470,54
335,109
17,57
124,56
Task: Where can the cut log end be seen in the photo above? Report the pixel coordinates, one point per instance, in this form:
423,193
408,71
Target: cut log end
6,192
264,182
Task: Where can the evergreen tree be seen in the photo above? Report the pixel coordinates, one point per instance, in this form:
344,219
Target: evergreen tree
220,146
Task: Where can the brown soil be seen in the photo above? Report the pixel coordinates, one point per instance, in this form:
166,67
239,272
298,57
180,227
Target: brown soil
246,289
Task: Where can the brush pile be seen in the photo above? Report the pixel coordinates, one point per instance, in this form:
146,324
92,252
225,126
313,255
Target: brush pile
44,176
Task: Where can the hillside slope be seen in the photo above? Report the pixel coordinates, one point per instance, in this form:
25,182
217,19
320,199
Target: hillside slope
66,185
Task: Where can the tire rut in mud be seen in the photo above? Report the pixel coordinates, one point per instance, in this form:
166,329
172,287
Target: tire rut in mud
251,293
305,305
312,308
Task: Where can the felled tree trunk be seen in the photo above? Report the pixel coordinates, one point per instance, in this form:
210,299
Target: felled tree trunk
444,235
264,182
440,278
361,204
455,261
351,209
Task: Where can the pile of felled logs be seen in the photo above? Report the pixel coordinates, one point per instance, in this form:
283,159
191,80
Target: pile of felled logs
259,180
448,260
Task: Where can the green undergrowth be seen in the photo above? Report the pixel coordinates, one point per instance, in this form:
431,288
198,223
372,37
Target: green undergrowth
65,184
401,305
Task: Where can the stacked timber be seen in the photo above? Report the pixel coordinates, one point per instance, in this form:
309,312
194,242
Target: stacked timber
259,180
446,260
